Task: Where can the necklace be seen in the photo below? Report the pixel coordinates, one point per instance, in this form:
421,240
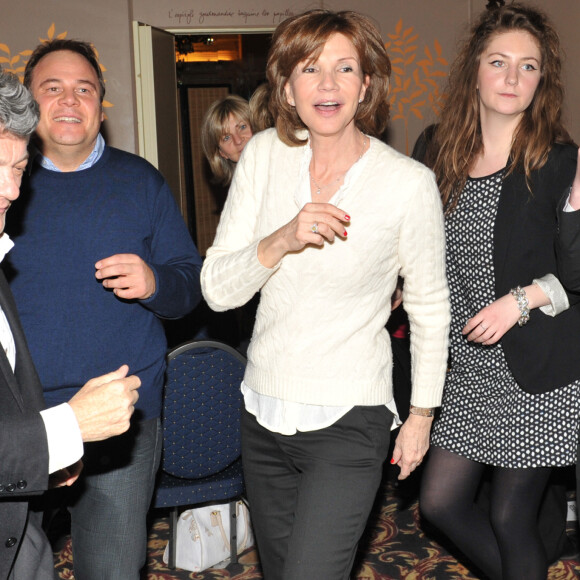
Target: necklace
319,187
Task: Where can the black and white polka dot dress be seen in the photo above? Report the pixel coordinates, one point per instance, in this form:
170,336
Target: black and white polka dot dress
485,415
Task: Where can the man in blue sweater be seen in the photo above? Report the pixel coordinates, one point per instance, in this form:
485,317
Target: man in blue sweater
102,254
35,441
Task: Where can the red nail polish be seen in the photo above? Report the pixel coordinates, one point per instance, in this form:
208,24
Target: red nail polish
347,217
345,233
392,460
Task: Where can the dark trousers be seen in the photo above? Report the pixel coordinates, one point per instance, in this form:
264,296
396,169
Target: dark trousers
109,503
311,493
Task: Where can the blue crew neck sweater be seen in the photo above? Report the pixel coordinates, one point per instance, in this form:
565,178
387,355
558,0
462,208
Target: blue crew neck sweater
66,222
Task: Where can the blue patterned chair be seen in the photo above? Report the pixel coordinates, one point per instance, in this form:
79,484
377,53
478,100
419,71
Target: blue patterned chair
201,459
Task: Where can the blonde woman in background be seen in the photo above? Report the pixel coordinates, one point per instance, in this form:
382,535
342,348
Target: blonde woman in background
260,115
225,131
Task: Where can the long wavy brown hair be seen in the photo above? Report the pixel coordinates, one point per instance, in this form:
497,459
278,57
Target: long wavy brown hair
302,38
457,140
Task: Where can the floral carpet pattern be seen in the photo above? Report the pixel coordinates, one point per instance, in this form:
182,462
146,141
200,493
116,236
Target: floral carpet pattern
395,546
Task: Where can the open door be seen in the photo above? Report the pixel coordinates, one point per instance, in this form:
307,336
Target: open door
158,120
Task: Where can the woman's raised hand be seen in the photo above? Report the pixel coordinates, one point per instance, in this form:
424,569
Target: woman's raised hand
315,223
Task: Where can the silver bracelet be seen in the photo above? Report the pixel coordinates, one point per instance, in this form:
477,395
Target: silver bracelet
520,295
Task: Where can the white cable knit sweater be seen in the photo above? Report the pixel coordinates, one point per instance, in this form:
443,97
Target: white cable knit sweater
320,335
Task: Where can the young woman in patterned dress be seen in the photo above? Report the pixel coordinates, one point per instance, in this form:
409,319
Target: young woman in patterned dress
502,159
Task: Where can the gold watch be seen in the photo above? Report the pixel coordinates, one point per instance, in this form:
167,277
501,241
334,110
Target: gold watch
421,411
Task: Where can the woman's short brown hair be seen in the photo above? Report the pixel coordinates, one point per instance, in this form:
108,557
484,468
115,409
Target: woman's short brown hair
302,38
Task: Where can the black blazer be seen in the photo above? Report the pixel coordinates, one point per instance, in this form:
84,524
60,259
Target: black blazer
543,354
23,444
568,246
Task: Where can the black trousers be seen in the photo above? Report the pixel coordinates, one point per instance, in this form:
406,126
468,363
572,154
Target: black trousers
311,493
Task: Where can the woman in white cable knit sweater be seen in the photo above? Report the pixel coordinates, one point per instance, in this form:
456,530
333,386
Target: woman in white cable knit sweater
321,218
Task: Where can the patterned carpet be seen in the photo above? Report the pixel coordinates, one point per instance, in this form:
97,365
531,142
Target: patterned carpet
394,547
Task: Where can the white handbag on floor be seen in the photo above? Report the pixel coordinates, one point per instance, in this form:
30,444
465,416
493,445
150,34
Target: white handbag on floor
203,536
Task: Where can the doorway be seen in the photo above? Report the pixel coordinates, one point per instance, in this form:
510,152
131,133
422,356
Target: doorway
232,64
172,96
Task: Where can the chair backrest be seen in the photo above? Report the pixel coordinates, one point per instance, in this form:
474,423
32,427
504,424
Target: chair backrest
201,410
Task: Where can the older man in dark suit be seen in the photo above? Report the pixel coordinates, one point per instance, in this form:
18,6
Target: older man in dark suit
35,442
568,247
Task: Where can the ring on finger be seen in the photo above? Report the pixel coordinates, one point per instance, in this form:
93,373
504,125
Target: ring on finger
314,228
483,326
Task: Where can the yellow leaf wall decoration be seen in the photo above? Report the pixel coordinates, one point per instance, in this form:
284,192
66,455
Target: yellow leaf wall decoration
13,60
413,84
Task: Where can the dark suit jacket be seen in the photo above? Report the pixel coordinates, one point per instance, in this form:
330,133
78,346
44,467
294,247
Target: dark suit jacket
23,444
568,246
543,354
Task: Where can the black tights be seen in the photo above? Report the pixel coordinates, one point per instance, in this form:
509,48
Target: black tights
504,543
